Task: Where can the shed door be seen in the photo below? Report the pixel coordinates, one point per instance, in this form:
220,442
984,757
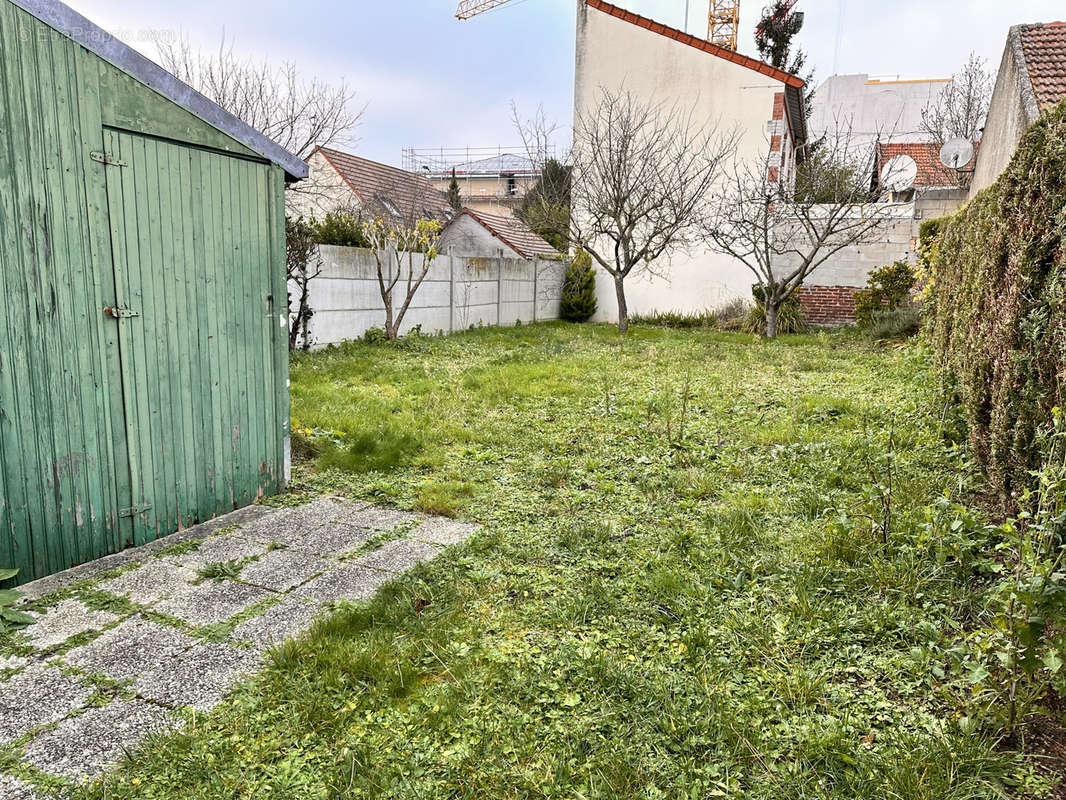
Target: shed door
192,263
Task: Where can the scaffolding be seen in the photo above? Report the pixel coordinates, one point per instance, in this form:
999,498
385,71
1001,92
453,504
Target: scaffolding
493,176
723,22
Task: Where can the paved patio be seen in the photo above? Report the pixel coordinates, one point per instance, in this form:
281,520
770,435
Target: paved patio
123,643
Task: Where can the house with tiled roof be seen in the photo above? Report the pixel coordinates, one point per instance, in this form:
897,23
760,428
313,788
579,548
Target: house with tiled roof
932,174
346,182
1032,79
621,51
473,232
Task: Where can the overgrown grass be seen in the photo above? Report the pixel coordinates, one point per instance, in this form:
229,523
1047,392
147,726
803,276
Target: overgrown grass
679,590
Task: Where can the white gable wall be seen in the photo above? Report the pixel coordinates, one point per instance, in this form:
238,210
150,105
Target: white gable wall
465,236
621,56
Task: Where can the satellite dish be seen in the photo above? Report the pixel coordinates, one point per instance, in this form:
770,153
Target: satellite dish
956,154
899,173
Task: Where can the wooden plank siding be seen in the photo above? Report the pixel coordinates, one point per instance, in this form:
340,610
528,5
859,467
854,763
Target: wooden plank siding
115,431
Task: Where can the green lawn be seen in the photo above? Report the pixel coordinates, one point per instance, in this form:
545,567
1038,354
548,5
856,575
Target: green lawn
663,601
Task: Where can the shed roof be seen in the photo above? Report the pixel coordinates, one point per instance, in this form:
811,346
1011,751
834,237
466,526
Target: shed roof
73,25
512,232
793,83
389,191
1044,50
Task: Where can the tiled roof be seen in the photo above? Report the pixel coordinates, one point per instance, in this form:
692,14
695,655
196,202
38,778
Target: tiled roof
699,44
389,191
927,156
1045,60
512,232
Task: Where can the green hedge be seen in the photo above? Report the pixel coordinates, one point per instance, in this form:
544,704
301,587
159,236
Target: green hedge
998,301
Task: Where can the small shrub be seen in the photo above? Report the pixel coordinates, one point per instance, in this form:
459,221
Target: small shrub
887,288
341,228
579,289
789,315
730,316
375,335
894,323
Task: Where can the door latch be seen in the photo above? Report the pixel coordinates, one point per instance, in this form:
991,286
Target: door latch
133,511
107,159
120,313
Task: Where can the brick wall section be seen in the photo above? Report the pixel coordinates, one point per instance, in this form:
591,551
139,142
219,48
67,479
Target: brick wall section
828,305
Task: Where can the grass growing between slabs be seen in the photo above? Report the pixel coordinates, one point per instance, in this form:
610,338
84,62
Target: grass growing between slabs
685,586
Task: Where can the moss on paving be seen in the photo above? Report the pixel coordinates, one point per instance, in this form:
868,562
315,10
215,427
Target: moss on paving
659,605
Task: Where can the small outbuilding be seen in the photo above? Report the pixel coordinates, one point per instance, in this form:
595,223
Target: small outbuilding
143,361
485,235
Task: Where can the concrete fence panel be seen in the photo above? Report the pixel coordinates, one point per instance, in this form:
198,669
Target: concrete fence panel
458,293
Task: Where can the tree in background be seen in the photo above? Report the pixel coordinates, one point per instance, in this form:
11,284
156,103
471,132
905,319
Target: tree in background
546,206
455,198
777,28
959,111
642,175
579,289
397,248
782,234
298,113
302,265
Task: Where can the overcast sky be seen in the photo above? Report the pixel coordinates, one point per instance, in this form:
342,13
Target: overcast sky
428,80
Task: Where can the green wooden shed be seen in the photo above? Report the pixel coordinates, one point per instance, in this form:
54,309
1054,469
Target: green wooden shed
143,360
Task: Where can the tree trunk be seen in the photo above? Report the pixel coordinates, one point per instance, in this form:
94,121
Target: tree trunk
771,305
623,310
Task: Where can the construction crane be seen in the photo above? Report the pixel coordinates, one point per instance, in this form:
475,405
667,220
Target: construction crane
723,21
723,17
471,8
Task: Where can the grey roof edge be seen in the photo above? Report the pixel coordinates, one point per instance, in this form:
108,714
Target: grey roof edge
73,25
1025,82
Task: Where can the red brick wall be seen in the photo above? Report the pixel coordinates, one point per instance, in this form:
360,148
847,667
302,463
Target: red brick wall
828,305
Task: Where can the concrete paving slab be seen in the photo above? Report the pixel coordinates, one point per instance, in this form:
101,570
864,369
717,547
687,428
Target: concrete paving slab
289,525
37,696
86,745
333,540
200,677
285,620
442,531
13,662
398,556
221,547
12,788
345,583
281,570
68,618
154,581
382,519
212,601
130,649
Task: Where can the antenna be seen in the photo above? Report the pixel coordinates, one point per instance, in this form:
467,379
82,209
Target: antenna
899,173
956,153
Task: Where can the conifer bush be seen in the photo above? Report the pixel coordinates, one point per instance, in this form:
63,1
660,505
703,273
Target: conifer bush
579,289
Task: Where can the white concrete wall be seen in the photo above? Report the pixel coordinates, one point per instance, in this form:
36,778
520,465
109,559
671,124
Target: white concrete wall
457,293
1008,119
618,55
466,236
897,240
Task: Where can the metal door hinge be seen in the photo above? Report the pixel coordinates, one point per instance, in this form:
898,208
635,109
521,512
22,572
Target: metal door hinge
107,159
120,313
133,511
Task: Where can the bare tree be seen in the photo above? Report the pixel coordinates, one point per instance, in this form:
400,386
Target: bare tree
298,113
783,230
641,173
962,105
302,265
397,249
